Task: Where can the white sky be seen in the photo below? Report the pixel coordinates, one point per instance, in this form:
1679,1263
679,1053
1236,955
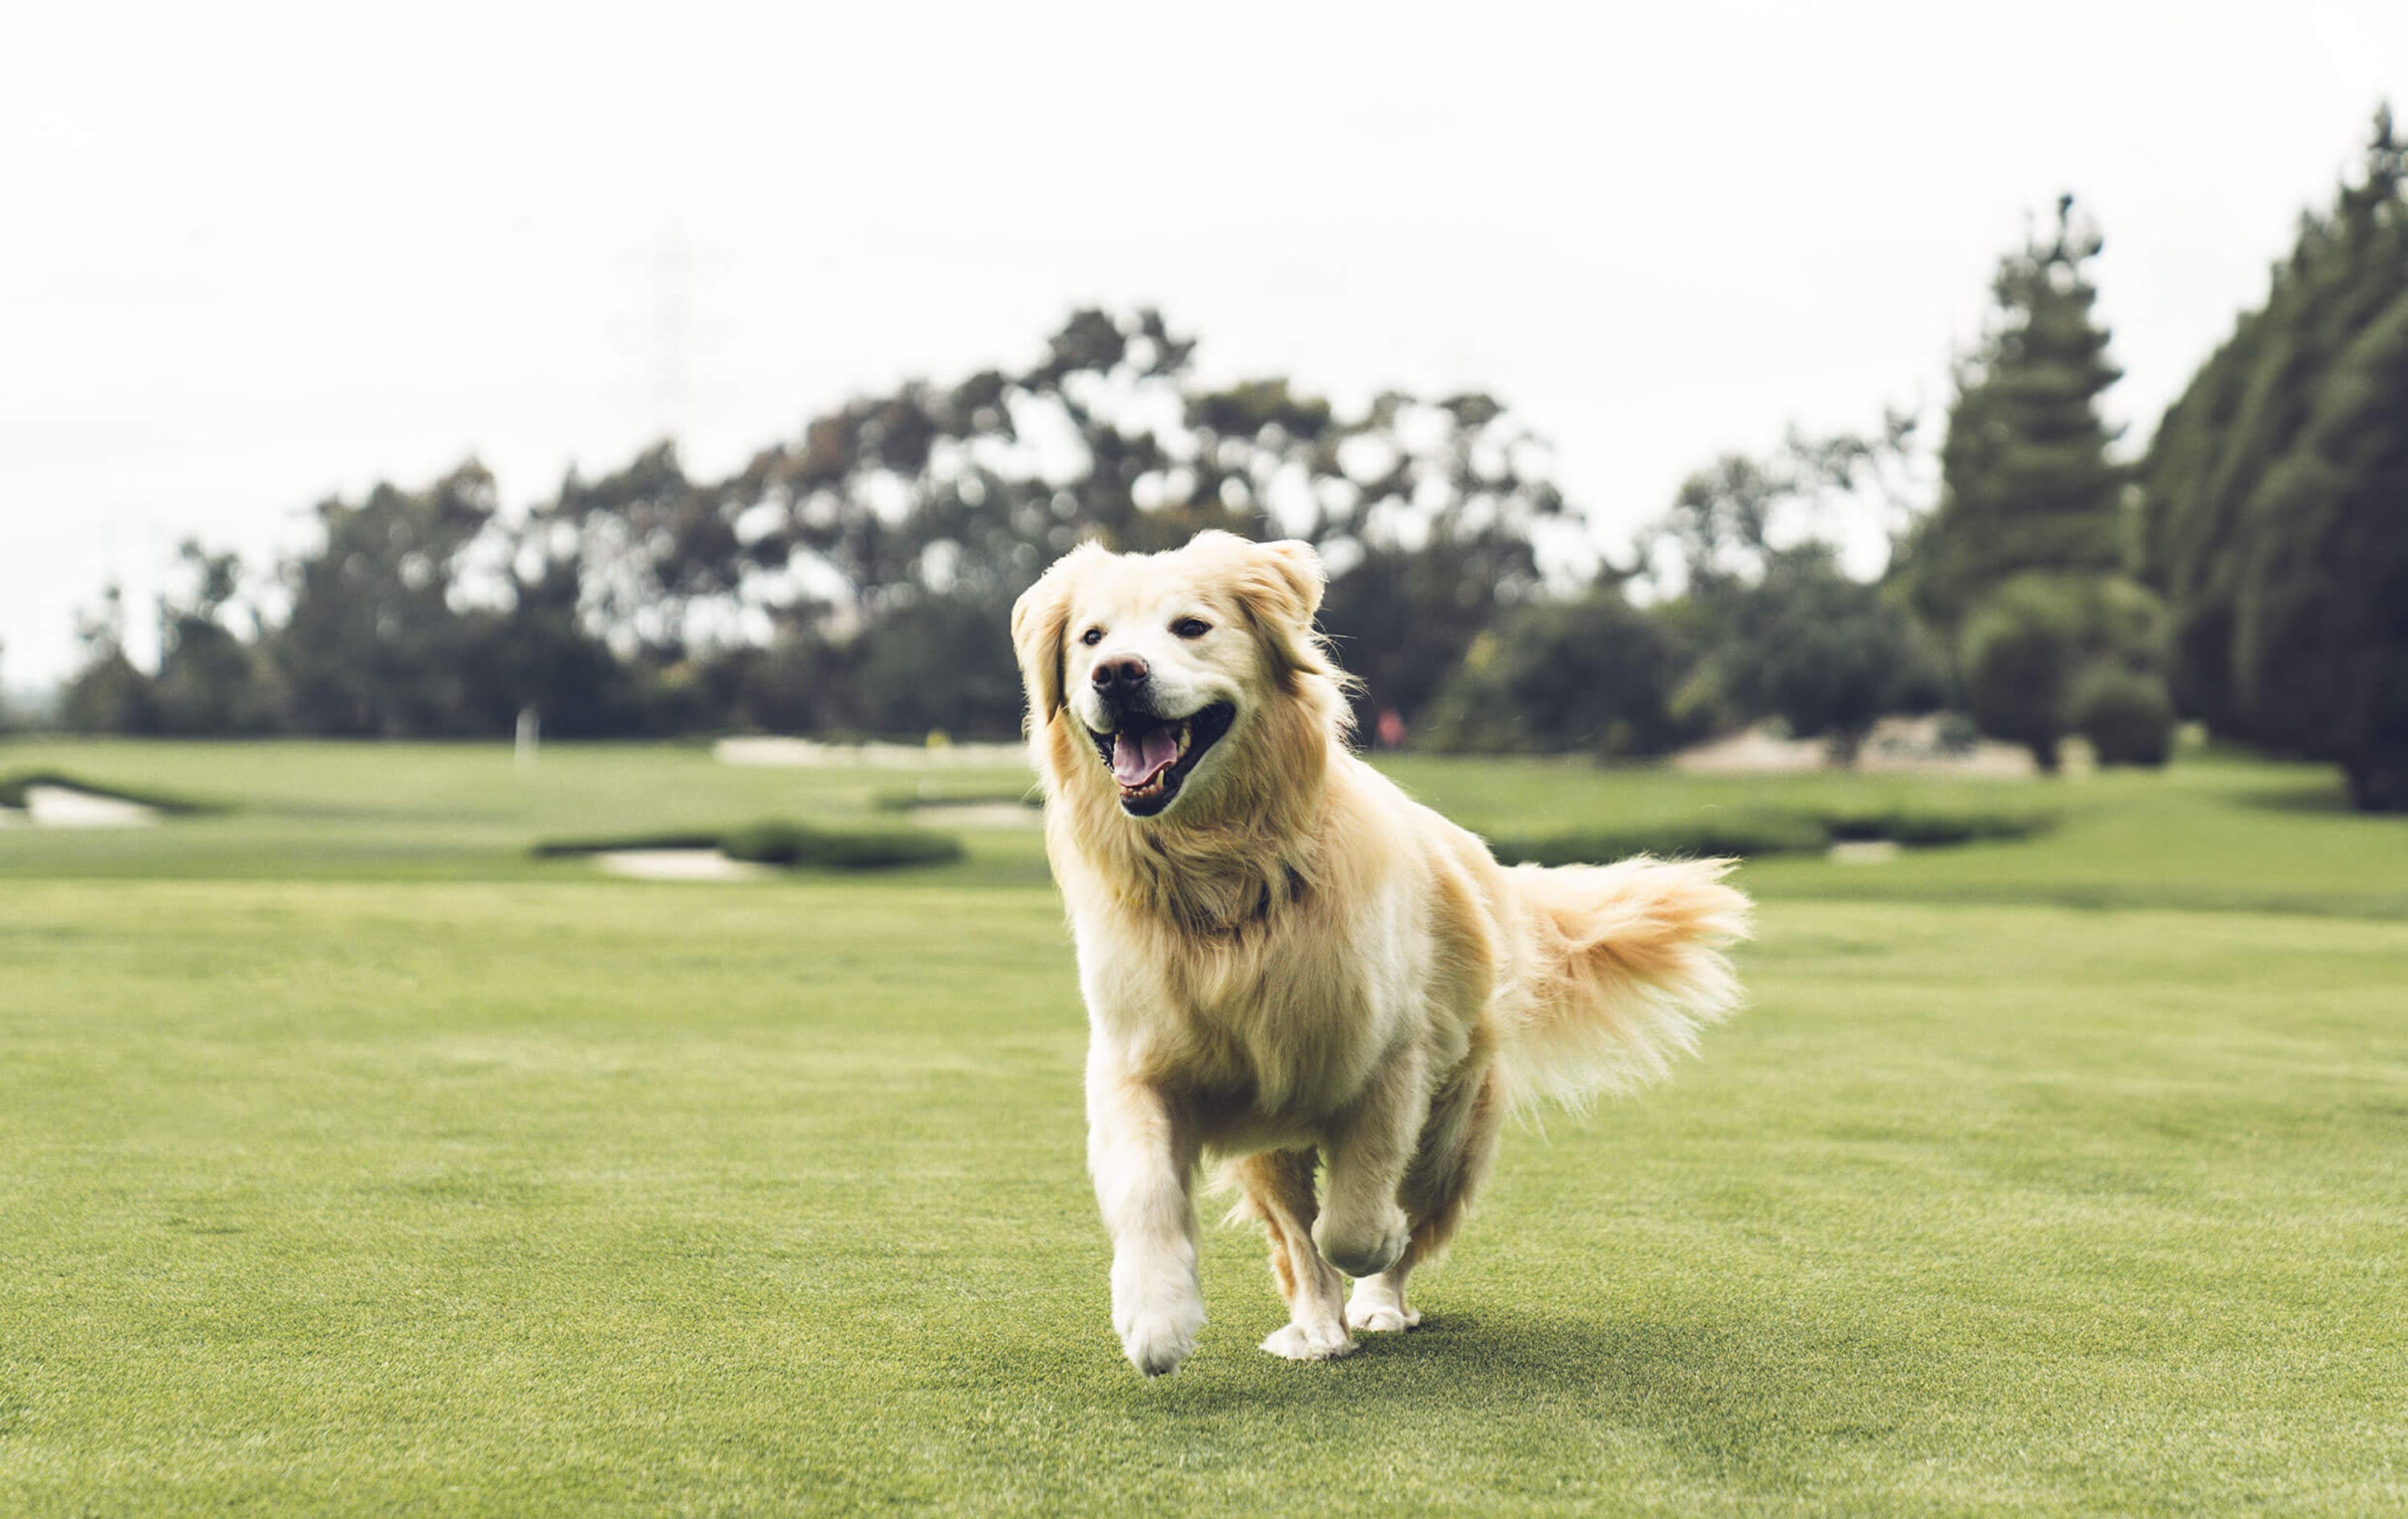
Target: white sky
252,255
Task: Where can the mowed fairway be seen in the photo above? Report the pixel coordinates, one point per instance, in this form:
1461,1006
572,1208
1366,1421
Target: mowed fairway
353,1162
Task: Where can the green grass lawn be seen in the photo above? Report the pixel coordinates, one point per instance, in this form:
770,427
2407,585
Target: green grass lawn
352,1160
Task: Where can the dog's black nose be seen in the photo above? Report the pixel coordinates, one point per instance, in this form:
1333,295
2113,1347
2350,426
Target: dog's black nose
1119,676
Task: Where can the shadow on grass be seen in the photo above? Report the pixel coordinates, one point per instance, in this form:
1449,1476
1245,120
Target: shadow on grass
1728,1394
2316,796
14,787
1511,1406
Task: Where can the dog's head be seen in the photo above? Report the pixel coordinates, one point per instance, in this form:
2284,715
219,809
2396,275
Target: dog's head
1170,668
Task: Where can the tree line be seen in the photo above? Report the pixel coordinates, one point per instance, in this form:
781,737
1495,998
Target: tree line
2250,570
2274,503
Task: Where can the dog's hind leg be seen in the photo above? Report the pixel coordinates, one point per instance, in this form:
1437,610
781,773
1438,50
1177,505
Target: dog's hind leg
1278,1187
1457,1145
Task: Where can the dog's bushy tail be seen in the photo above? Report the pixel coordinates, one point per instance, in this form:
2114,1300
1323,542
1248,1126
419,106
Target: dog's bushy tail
1623,969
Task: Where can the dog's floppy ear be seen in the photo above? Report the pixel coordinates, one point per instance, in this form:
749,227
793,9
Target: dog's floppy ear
1039,625
1280,586
1296,562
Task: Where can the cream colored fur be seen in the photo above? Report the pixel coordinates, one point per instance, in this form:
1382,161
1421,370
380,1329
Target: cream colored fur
1296,968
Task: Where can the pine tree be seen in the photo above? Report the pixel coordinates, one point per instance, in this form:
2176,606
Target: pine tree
2026,481
2022,565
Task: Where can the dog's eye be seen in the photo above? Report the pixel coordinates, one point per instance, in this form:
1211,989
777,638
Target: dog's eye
1191,627
1093,636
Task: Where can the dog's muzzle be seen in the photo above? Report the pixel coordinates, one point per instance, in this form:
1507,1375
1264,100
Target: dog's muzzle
1151,756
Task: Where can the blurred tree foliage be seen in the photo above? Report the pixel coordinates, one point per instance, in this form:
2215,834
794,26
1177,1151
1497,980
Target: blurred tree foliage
2028,547
210,678
1590,674
1826,654
108,693
2275,516
858,576
2026,481
2127,715
375,645
2038,641
1778,628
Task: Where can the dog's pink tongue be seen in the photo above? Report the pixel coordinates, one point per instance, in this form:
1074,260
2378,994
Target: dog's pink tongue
1139,758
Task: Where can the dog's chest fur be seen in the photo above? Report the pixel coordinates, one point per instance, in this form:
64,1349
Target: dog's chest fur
1287,1014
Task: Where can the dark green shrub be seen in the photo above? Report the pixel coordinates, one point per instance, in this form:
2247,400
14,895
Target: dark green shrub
795,844
2018,653
2127,715
557,848
1748,835
1826,654
1594,675
1926,826
2030,652
938,793
1745,834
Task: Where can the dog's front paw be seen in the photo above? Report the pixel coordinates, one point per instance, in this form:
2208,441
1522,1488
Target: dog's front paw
1365,1247
1157,1307
1311,1342
1158,1337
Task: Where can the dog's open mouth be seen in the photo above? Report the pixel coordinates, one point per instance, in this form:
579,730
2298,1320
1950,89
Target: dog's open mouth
1151,757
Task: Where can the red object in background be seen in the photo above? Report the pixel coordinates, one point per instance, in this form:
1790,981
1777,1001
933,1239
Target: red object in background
1390,728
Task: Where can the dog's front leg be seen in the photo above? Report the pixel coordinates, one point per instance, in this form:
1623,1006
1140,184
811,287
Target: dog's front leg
1362,1230
1142,1149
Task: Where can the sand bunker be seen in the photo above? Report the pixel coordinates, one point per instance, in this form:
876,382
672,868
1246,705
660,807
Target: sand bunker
1865,852
679,865
61,807
1898,746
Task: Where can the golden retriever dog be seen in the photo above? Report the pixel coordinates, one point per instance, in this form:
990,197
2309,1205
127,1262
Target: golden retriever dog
1292,966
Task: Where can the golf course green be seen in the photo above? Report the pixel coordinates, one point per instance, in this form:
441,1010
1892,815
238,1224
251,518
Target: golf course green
357,1159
